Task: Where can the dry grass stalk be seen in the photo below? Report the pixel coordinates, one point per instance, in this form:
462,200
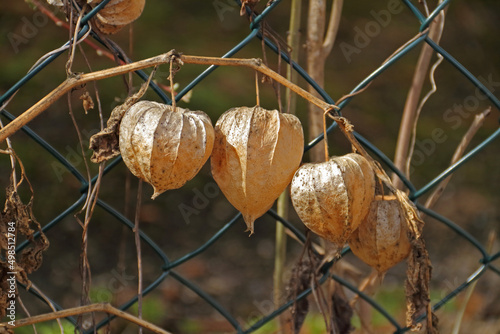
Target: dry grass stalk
105,308
412,100
320,41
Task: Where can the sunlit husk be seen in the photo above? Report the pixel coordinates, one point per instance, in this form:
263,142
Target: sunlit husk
117,14
331,198
255,155
165,147
381,240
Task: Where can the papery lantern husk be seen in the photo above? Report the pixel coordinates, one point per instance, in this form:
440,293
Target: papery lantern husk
255,155
332,197
117,14
165,146
381,241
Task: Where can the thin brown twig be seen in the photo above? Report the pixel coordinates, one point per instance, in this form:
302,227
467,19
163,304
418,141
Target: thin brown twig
278,43
257,91
320,40
130,52
84,263
424,100
103,307
138,250
60,23
171,77
25,309
333,26
316,292
433,89
12,159
49,303
412,99
72,52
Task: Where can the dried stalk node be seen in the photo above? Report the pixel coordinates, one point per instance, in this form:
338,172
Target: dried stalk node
332,197
165,146
256,153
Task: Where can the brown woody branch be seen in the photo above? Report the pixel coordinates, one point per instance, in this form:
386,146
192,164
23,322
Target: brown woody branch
106,308
81,79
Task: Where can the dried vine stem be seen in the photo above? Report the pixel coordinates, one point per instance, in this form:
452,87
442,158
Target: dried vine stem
419,265
103,307
81,79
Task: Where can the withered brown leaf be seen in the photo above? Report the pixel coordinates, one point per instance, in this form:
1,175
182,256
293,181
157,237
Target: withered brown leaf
17,221
300,281
342,312
418,274
248,3
87,101
105,143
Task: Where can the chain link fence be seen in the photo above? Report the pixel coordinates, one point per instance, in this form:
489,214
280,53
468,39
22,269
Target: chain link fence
65,163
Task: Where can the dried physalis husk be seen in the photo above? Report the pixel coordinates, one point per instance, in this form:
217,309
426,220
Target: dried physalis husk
332,197
117,14
58,3
165,146
255,155
381,241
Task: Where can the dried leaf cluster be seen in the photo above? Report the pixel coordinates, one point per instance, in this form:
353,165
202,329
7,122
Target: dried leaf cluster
30,259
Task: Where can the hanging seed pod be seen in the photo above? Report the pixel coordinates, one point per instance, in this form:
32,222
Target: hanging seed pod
331,198
165,146
381,241
256,153
117,14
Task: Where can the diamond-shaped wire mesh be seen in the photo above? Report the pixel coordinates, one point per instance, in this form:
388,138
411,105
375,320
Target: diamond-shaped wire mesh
113,223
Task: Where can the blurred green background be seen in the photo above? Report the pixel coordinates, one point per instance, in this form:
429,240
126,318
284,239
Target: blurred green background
237,270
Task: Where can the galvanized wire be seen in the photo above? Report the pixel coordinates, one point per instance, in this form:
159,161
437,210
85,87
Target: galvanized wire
168,266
